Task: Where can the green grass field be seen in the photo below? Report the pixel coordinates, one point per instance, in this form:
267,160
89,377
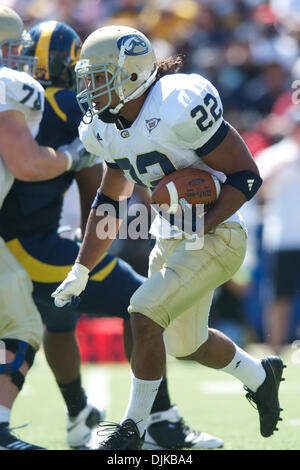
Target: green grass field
208,400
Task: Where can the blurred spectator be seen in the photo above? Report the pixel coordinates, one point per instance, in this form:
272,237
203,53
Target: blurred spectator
289,13
280,167
227,312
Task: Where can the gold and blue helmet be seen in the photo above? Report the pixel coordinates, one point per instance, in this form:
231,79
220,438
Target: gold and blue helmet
14,37
57,47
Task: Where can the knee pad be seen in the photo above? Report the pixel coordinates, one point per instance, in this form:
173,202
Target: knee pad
24,352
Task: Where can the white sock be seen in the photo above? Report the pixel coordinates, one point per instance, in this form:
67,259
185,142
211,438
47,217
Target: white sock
246,368
4,414
142,396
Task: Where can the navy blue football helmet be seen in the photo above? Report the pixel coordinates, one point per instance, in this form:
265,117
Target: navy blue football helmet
57,47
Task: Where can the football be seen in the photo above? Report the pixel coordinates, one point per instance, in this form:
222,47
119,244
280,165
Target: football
194,185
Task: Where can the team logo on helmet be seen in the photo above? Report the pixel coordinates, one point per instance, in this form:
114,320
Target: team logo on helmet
134,44
74,52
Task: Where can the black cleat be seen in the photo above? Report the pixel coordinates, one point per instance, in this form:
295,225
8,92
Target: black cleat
8,441
266,396
125,436
166,430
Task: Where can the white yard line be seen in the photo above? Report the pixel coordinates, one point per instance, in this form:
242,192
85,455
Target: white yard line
221,387
293,422
97,387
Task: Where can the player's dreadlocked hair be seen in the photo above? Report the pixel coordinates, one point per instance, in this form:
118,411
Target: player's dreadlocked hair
169,66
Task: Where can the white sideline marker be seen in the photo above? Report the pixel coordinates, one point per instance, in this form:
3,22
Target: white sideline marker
97,385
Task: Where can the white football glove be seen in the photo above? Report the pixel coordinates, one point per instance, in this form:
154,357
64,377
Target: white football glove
78,156
72,286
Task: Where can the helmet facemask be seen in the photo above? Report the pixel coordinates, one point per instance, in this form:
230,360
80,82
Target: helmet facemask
114,78
19,61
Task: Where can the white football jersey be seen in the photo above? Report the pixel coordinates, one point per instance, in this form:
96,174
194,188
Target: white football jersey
19,91
180,121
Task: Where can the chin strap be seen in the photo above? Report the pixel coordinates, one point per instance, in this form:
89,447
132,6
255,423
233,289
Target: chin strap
138,92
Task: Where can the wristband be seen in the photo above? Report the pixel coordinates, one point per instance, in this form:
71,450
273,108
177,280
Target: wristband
119,207
245,181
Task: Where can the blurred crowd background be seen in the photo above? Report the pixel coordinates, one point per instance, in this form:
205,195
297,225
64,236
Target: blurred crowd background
249,49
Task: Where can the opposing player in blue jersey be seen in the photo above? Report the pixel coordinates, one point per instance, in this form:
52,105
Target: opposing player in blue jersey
31,213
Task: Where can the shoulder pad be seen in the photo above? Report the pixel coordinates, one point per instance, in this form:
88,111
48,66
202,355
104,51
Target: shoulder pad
191,107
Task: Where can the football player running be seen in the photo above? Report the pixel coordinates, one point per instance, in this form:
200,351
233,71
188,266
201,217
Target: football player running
21,109
124,87
28,223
